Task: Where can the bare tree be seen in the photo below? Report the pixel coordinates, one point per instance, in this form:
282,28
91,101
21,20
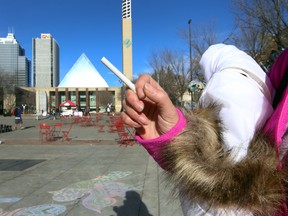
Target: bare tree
172,68
202,36
177,65
261,20
7,82
253,40
105,97
171,71
7,90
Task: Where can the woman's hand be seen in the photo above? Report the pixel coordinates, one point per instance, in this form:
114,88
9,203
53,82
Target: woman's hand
150,109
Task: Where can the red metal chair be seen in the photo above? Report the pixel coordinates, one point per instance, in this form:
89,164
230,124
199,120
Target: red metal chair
126,134
76,119
101,128
86,121
45,132
66,133
57,130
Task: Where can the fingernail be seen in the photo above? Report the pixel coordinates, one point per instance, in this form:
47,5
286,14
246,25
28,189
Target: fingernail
140,94
150,88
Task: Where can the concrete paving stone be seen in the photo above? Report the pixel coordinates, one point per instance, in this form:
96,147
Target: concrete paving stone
8,175
26,182
150,194
34,199
77,210
83,175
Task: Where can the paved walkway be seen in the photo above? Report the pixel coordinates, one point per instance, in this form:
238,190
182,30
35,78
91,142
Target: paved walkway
91,175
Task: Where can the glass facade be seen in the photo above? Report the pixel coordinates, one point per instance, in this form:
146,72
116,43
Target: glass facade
62,97
92,101
72,97
52,99
45,61
85,99
13,63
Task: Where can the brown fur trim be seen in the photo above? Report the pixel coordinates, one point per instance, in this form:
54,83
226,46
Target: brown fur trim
202,168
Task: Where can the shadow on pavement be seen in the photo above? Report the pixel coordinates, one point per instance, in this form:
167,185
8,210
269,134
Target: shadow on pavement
27,127
132,206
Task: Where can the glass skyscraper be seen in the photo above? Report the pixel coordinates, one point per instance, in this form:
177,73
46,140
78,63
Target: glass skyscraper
45,61
14,66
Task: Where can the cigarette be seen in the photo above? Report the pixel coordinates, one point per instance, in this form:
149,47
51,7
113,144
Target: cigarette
120,75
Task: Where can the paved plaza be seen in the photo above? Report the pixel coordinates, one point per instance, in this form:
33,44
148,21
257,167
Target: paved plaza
92,174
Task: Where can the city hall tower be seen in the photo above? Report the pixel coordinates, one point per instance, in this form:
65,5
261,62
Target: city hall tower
126,39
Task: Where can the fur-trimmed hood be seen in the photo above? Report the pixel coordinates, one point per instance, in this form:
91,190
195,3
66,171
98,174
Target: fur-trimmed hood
200,165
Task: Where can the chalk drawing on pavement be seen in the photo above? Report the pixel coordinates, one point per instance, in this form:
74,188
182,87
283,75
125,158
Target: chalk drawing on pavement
9,199
96,193
39,210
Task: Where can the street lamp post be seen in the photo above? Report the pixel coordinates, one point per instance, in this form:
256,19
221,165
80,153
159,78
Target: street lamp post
190,56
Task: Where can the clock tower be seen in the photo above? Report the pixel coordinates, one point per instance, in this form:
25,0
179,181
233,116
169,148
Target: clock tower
126,39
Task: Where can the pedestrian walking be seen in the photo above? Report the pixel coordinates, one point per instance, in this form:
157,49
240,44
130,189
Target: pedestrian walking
18,118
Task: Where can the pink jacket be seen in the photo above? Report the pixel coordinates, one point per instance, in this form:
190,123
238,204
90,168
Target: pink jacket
215,154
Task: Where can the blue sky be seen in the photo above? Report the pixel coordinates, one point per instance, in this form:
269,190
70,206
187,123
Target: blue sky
94,27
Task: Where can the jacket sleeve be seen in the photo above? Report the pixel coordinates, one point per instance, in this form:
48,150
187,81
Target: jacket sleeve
155,146
198,164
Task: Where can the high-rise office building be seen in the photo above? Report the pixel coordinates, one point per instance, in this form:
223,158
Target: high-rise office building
14,65
45,61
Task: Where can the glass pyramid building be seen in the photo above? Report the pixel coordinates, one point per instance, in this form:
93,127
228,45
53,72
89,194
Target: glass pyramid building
83,75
